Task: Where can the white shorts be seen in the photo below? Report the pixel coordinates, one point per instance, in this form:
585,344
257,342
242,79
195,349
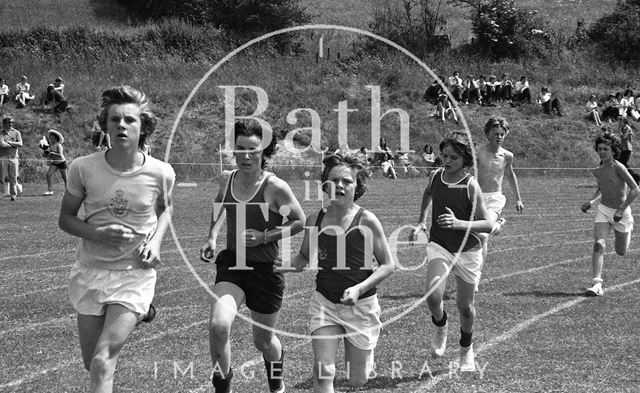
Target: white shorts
605,214
494,201
468,265
92,289
361,320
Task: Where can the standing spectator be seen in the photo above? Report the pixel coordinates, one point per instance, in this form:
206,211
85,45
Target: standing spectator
23,96
592,109
612,107
57,161
433,91
127,210
550,105
454,83
626,142
505,88
4,92
522,91
101,140
10,142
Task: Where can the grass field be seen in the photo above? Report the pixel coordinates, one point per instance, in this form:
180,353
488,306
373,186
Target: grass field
535,332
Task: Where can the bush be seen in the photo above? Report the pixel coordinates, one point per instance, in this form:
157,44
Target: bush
618,34
502,31
236,15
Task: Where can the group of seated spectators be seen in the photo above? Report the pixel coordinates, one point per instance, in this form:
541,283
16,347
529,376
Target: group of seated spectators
616,106
484,91
22,95
409,163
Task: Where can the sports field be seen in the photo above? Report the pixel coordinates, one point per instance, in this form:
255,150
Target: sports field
535,332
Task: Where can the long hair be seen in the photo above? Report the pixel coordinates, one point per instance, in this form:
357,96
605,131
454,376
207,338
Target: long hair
128,95
461,144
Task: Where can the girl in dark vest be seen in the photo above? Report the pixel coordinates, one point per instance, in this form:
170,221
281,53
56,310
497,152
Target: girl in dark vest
341,241
458,213
257,204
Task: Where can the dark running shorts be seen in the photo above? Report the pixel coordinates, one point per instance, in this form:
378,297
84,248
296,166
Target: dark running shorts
263,287
60,165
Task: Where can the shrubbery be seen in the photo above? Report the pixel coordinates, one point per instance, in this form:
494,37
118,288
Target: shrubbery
240,16
618,34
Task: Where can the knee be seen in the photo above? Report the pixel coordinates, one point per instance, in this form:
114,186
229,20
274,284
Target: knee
324,372
263,342
599,246
101,364
466,310
621,250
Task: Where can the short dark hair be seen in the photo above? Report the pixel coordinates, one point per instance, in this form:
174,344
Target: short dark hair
128,95
461,144
351,161
250,129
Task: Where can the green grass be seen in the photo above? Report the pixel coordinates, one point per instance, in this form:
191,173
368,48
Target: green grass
540,263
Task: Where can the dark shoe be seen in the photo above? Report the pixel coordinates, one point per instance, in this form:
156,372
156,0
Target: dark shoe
149,316
274,374
222,384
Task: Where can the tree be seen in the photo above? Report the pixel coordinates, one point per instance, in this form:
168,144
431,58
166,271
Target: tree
618,34
413,24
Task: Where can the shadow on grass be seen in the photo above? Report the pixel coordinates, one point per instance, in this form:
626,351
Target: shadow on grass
547,294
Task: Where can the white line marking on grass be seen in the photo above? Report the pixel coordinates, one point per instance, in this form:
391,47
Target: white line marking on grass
39,254
541,233
539,246
521,327
31,376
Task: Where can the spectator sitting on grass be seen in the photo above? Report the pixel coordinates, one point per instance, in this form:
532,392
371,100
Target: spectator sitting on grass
522,91
635,110
550,105
626,103
471,91
56,99
384,157
445,109
454,83
433,91
23,96
58,85
4,92
592,110
504,88
404,161
486,90
611,110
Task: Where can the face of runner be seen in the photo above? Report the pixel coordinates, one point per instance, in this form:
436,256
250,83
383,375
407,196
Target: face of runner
123,125
344,181
605,153
453,162
496,135
248,153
